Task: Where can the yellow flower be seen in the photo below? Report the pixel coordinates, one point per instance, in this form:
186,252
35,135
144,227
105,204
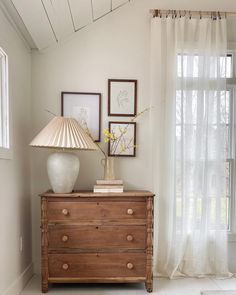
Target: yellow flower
106,132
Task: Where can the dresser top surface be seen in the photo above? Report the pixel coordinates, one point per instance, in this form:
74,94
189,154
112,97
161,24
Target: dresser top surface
85,194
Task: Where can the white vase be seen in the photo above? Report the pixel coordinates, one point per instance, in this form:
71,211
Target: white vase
63,170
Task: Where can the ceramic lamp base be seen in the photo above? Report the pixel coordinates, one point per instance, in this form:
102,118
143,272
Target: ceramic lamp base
63,170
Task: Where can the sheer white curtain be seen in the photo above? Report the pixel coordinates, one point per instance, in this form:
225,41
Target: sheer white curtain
188,90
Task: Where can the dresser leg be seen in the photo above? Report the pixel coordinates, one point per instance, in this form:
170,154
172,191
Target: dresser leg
44,287
149,250
44,245
149,286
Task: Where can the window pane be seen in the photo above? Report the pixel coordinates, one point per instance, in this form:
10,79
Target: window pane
225,107
4,103
191,105
228,142
228,171
178,103
195,213
229,66
187,66
193,66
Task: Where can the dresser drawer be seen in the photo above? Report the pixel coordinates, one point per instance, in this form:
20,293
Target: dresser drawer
97,237
97,265
95,210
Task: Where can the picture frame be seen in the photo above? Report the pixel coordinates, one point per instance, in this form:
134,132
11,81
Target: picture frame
85,107
128,140
122,97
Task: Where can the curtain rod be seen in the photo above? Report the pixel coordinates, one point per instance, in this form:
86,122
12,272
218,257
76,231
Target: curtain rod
158,12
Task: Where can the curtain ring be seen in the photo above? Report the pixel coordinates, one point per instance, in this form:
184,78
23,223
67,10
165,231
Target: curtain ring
190,15
200,13
219,15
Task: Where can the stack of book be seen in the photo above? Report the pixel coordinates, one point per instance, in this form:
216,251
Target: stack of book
108,186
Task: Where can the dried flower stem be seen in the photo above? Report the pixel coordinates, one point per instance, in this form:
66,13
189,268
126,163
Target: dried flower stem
115,141
90,135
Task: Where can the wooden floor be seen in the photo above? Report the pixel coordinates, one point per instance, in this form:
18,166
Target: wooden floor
161,287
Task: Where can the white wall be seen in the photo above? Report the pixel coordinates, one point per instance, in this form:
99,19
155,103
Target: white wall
15,201
116,46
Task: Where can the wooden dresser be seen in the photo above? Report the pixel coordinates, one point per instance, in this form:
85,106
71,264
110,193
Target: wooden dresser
97,237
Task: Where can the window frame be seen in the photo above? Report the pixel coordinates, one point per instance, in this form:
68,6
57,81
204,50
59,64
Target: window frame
231,159
231,85
6,152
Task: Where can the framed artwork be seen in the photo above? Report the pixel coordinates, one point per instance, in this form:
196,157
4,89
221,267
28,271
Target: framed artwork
123,143
85,108
122,97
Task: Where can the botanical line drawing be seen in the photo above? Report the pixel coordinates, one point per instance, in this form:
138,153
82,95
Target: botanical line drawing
122,99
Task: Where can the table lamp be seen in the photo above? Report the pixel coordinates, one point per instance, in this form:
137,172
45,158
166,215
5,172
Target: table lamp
63,134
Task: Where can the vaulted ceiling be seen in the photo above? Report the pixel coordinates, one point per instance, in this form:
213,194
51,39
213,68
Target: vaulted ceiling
51,21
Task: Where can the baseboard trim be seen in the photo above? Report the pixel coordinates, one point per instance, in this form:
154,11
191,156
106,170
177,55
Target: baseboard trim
18,285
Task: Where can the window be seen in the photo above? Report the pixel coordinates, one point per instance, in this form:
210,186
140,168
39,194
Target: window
226,117
4,106
226,66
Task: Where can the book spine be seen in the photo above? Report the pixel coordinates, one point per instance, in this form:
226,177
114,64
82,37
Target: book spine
108,187
101,190
110,182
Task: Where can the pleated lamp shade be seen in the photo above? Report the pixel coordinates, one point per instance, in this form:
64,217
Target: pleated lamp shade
64,133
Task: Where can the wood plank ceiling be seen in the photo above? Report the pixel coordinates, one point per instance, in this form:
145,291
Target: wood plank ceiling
51,21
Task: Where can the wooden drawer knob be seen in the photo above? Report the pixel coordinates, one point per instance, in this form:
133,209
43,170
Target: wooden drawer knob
130,212
130,265
65,238
129,238
65,212
65,266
